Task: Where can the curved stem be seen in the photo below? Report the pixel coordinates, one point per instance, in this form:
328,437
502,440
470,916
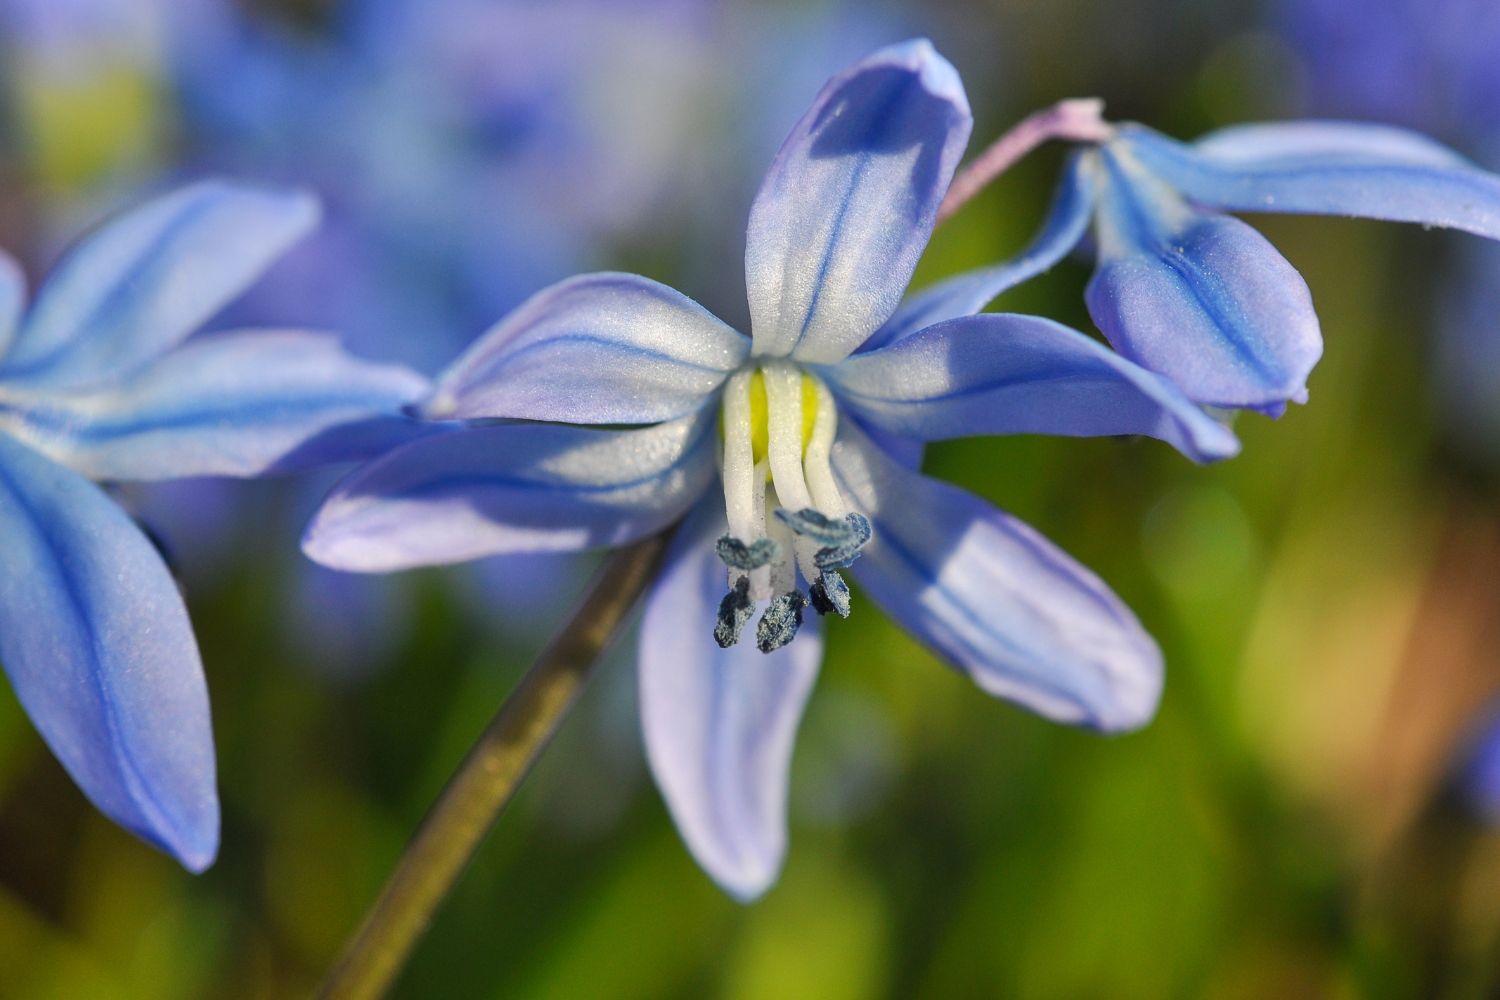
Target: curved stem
488,778
1079,119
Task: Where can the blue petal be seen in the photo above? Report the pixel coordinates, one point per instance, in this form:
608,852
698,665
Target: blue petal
236,404
97,643
1202,299
140,284
998,373
719,724
849,203
12,298
997,600
962,295
596,349
482,491
1368,171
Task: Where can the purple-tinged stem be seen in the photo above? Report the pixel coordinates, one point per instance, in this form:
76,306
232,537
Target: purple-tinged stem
1079,119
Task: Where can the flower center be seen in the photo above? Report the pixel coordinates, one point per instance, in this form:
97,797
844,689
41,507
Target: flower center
786,514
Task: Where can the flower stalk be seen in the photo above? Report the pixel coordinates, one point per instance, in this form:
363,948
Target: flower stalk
488,778
1080,119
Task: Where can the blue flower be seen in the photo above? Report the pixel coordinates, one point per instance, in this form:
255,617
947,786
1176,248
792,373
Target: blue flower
1199,296
96,385
809,436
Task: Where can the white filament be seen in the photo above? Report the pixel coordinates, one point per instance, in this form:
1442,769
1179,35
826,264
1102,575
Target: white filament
817,465
742,495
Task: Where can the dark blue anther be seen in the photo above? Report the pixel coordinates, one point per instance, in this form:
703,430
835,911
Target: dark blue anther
737,555
841,538
779,625
830,593
734,613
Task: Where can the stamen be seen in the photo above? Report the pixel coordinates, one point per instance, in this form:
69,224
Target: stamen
830,593
734,613
784,445
779,625
783,571
841,538
817,465
741,491
737,555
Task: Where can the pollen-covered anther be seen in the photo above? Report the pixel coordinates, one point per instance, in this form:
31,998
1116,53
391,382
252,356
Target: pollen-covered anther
734,613
736,554
841,539
779,625
829,593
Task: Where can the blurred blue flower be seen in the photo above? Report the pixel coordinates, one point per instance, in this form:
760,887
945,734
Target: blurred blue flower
1429,65
810,434
96,384
1199,296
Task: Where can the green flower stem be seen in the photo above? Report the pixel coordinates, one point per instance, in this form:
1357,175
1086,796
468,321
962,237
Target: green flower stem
487,779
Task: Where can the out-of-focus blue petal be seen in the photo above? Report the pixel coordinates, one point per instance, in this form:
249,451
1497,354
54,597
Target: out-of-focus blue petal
849,203
97,643
234,404
719,724
12,298
1339,168
595,349
964,294
144,281
1000,373
1202,299
996,599
481,491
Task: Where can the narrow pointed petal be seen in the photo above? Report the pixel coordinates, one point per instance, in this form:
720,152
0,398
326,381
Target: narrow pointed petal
1017,615
97,644
481,491
12,299
596,349
1322,168
1000,373
719,724
143,282
849,203
962,295
234,404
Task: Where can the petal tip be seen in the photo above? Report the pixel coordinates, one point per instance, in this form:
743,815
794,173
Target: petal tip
937,75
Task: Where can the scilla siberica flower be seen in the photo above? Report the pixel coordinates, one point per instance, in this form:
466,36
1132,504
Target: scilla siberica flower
95,384
794,425
1199,296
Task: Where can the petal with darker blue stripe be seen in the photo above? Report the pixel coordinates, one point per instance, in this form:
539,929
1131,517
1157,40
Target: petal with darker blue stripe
471,492
995,599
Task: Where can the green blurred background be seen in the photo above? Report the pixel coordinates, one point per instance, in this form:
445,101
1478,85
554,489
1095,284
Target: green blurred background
1329,605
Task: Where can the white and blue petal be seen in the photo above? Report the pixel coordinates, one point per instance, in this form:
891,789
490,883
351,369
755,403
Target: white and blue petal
144,281
97,644
479,491
998,601
595,349
1203,299
850,201
719,724
1065,226
233,404
1000,373
1326,168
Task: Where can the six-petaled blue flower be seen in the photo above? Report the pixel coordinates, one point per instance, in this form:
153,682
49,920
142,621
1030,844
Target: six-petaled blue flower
95,384
1199,296
810,428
